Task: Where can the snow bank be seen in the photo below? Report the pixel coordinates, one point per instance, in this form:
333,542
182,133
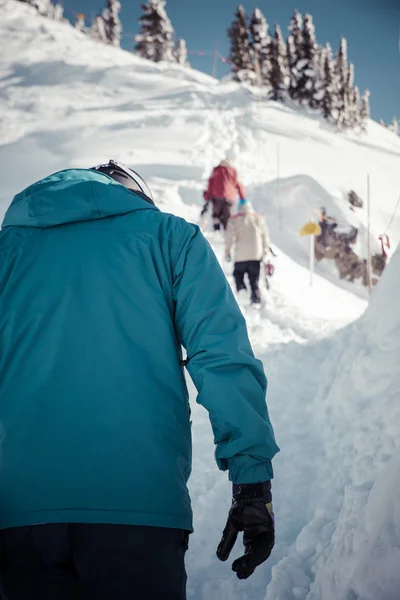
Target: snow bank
350,548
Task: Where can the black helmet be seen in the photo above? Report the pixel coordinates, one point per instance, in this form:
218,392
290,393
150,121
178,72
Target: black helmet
128,178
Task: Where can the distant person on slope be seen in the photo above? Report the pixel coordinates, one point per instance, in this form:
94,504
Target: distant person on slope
99,291
222,191
248,235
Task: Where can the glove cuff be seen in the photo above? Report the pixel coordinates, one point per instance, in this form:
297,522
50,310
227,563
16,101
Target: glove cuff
242,491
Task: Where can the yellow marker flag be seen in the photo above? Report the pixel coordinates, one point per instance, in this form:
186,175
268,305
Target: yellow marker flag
310,228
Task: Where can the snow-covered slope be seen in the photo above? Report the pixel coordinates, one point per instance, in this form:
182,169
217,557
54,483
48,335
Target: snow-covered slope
66,101
351,543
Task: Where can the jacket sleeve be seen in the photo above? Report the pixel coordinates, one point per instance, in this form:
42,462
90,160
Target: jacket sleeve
231,383
265,236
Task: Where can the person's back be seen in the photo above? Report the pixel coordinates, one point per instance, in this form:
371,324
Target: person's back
248,236
98,291
222,191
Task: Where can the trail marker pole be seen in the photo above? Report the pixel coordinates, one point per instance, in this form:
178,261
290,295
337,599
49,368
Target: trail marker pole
278,184
215,60
312,258
312,229
369,262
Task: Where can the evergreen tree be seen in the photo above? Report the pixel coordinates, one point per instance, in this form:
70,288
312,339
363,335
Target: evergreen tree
279,67
112,23
106,27
180,53
319,81
80,23
307,65
329,99
58,14
155,39
394,126
98,30
365,110
292,61
240,56
295,52
355,108
352,101
342,74
260,46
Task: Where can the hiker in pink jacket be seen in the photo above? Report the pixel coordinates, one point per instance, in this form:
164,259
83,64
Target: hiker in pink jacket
223,190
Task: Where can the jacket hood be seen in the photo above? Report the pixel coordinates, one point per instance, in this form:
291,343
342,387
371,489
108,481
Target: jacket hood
226,163
70,196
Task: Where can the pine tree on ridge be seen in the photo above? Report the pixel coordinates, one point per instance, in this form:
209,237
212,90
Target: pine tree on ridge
279,67
240,56
260,47
155,39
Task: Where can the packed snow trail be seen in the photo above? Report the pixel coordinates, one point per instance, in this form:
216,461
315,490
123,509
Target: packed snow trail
290,344
66,101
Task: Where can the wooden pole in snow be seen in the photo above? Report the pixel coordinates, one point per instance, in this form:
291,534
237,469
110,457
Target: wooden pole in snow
215,61
369,264
278,184
312,258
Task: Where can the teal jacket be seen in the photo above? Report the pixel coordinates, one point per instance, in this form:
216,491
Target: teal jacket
99,291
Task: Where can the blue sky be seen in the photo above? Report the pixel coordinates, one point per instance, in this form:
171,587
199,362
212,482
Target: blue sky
370,26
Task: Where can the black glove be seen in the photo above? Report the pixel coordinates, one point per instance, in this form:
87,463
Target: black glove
204,210
251,512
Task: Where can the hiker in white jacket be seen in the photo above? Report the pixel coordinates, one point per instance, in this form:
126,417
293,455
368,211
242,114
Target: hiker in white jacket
247,234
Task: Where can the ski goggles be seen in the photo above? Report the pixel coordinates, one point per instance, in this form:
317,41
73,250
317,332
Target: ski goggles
125,176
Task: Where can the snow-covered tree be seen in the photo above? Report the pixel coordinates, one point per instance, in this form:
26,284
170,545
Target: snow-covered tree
351,114
80,23
106,27
346,115
395,126
365,110
180,53
260,46
112,23
279,66
295,51
58,13
342,77
342,63
98,30
319,80
355,108
329,99
307,65
291,52
155,39
240,56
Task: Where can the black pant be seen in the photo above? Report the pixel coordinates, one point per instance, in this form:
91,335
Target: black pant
221,212
252,268
93,562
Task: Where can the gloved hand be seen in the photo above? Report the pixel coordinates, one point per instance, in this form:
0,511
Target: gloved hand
204,209
251,512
